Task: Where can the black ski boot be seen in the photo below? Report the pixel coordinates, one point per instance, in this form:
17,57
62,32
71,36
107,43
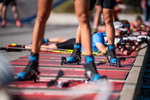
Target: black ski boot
31,71
111,56
75,57
90,69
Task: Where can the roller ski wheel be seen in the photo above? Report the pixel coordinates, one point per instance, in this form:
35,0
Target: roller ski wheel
63,60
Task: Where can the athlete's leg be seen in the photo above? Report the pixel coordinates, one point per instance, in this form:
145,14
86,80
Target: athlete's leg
1,8
97,17
56,40
110,31
31,70
4,9
16,14
108,6
77,46
44,8
81,9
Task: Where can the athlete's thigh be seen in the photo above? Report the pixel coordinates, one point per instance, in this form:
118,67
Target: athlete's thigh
81,7
44,6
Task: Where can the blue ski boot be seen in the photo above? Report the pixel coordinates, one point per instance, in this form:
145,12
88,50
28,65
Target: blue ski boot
75,57
90,69
111,56
31,71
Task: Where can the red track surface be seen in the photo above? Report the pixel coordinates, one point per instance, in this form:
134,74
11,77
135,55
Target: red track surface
49,67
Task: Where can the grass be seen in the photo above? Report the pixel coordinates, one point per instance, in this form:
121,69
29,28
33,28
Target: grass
66,7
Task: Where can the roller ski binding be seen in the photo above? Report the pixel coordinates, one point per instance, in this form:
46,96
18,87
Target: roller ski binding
111,56
75,57
55,81
31,72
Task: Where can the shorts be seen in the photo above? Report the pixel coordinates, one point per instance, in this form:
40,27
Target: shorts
92,4
7,2
1,1
69,44
109,4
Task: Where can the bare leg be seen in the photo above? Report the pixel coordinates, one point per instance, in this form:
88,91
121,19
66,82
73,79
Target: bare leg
110,32
4,8
97,16
44,8
15,12
16,15
81,9
31,71
51,46
56,40
82,15
1,9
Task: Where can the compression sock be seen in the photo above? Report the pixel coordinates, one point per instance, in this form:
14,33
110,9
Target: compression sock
45,40
34,57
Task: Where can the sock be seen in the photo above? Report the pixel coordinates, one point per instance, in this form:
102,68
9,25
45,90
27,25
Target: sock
111,46
89,59
77,45
34,57
45,40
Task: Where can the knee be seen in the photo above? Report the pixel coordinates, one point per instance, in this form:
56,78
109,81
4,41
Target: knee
108,20
42,17
83,18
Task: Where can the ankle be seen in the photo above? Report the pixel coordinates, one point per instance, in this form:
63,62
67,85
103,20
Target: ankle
34,57
89,59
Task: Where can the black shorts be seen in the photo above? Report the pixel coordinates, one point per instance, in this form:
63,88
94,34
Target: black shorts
92,4
109,4
7,2
69,44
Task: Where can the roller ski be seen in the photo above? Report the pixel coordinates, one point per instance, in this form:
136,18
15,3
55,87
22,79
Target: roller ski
111,56
55,82
31,71
75,57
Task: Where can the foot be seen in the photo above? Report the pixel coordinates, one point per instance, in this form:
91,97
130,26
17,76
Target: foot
3,23
18,23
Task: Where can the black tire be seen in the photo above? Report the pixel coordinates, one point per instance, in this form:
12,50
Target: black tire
118,63
63,60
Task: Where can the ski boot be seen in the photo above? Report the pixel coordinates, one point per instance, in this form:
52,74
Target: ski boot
90,69
111,56
3,23
75,57
31,71
18,23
